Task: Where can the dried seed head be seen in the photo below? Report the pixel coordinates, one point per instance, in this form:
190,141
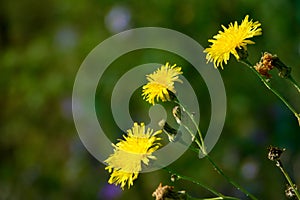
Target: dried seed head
265,64
289,192
168,193
268,62
275,153
262,69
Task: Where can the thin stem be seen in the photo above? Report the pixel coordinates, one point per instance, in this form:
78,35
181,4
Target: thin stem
247,63
201,146
237,186
193,136
212,162
224,175
280,166
220,195
199,133
213,198
217,198
220,171
294,82
194,181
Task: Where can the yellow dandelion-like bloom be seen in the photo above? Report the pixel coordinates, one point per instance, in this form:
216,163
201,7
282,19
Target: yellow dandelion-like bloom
161,83
234,37
129,154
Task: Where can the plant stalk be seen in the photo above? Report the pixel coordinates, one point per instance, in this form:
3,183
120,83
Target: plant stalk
280,166
290,107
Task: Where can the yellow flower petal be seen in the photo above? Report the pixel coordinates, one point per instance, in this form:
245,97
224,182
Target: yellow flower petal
161,82
129,154
233,37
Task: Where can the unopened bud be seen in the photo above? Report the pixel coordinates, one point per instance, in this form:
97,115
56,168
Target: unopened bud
177,114
171,132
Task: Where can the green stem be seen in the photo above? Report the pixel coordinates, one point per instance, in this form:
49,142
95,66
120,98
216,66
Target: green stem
193,181
220,195
193,136
280,166
217,198
201,146
294,83
247,63
213,198
224,175
220,171
237,186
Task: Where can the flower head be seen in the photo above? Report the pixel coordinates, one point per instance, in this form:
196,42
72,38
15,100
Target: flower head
268,62
129,154
168,192
230,40
290,192
161,83
275,153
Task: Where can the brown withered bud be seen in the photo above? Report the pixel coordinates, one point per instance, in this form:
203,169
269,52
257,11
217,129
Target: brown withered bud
262,69
168,193
290,192
275,153
265,65
268,62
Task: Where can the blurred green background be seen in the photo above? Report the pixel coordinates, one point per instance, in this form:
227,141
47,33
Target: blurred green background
42,45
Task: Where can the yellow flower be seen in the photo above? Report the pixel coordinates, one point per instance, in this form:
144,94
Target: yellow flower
129,154
233,37
161,83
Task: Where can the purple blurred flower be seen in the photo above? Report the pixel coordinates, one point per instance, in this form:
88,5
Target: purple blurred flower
110,192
